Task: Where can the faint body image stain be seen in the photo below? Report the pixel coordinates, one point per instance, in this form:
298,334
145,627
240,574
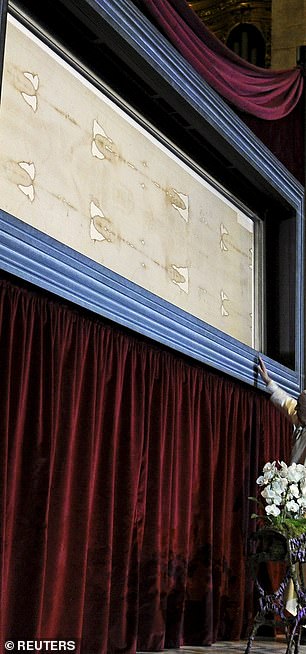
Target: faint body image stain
100,225
179,275
178,201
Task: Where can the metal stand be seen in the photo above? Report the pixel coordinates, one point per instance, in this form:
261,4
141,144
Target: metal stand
271,545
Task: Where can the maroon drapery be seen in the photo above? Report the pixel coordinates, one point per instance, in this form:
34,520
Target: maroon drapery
270,102
284,137
264,93
125,473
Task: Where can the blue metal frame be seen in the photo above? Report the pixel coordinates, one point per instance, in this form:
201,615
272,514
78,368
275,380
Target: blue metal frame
33,256
43,261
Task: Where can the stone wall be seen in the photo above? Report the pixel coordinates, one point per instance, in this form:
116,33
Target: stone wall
288,31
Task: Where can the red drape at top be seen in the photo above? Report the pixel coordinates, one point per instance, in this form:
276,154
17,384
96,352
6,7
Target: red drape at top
284,137
125,473
264,93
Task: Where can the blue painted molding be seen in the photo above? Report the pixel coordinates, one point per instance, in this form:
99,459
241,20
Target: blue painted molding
37,258
33,256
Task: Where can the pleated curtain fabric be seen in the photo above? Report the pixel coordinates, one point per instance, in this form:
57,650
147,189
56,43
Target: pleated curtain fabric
265,93
125,476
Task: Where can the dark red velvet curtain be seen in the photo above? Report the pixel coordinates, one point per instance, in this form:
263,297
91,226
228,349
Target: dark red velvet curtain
125,473
268,94
284,137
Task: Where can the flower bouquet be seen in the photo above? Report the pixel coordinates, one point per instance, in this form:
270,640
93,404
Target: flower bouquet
283,489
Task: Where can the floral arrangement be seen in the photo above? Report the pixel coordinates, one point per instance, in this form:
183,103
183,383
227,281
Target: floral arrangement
283,489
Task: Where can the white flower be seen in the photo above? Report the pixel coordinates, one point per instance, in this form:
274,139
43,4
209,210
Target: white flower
292,507
283,469
294,490
283,489
269,471
296,472
269,466
271,496
279,485
268,493
272,509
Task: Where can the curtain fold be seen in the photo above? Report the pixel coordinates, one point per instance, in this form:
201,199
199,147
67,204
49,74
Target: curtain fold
125,473
265,93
